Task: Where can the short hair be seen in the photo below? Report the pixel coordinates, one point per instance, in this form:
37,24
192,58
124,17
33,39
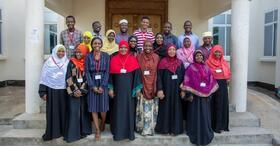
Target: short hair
94,22
188,21
96,38
145,17
70,16
168,22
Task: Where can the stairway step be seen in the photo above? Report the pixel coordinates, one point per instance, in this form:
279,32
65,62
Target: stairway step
237,136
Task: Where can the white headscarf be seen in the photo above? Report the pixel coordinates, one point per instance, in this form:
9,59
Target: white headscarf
54,70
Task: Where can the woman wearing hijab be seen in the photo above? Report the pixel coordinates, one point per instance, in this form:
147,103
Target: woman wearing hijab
147,105
185,54
97,74
199,84
170,76
52,90
124,86
220,106
159,46
87,37
109,43
132,40
78,118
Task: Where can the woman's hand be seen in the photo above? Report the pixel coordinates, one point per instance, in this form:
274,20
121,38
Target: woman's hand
111,93
182,94
160,94
95,90
77,93
138,94
190,98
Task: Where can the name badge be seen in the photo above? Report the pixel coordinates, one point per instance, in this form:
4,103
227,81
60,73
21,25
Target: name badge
146,72
80,80
174,77
97,77
218,70
71,47
202,84
123,71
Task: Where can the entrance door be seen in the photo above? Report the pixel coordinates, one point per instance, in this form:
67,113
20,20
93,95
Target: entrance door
133,11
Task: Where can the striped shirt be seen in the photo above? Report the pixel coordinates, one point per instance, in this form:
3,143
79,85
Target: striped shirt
142,36
70,41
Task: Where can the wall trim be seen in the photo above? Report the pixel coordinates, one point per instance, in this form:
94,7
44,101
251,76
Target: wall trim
12,83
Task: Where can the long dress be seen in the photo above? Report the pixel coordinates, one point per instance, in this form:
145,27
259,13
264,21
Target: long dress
125,86
97,74
170,117
220,107
55,112
78,124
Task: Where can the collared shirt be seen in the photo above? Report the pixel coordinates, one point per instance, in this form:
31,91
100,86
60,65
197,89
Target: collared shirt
194,40
121,36
170,39
97,35
70,40
142,36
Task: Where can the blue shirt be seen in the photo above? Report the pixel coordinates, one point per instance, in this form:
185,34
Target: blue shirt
194,40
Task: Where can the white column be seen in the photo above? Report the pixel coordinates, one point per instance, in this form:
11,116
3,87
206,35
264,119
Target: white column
239,55
34,44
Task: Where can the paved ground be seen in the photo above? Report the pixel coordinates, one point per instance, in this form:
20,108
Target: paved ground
259,103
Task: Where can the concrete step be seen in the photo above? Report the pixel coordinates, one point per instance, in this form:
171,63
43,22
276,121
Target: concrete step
237,136
38,121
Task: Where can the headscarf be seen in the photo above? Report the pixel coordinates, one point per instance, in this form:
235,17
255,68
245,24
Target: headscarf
80,63
198,79
160,49
134,50
148,62
186,54
54,70
108,47
127,61
88,34
219,67
170,63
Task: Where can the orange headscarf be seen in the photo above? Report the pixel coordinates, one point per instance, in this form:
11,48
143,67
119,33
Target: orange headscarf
219,67
80,63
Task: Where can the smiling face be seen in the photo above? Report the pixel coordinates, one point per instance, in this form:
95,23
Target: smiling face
96,45
187,42
171,51
132,42
207,40
159,39
70,22
218,54
188,26
111,37
96,27
148,47
145,23
79,54
123,49
60,53
167,28
123,27
198,57
86,39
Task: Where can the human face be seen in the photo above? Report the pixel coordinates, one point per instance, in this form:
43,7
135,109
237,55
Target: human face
159,39
172,52
60,53
132,42
123,27
96,27
148,47
207,40
145,23
96,45
79,54
123,49
111,37
86,39
167,28
187,43
198,57
218,54
70,22
188,26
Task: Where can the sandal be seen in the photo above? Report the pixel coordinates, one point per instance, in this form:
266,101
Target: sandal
97,135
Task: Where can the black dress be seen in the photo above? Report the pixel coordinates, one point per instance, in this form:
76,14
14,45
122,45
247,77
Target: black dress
78,123
170,117
125,87
220,107
55,111
199,121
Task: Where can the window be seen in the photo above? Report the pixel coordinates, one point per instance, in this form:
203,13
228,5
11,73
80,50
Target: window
222,31
0,31
50,37
270,33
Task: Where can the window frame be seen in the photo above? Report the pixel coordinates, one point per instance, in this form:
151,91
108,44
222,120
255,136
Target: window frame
57,37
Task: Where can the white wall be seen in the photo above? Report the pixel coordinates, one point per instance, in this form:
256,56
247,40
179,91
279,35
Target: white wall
260,68
13,16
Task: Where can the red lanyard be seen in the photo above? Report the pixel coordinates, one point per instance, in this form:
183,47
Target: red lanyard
71,37
123,63
57,64
98,63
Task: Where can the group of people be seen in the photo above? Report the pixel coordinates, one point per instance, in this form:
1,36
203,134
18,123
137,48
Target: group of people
141,82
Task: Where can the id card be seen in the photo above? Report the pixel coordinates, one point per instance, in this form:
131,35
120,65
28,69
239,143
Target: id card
97,77
218,70
123,71
146,72
80,80
202,84
71,47
174,77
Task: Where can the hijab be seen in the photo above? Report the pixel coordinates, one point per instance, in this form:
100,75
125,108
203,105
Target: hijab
80,63
170,63
88,34
186,54
109,47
